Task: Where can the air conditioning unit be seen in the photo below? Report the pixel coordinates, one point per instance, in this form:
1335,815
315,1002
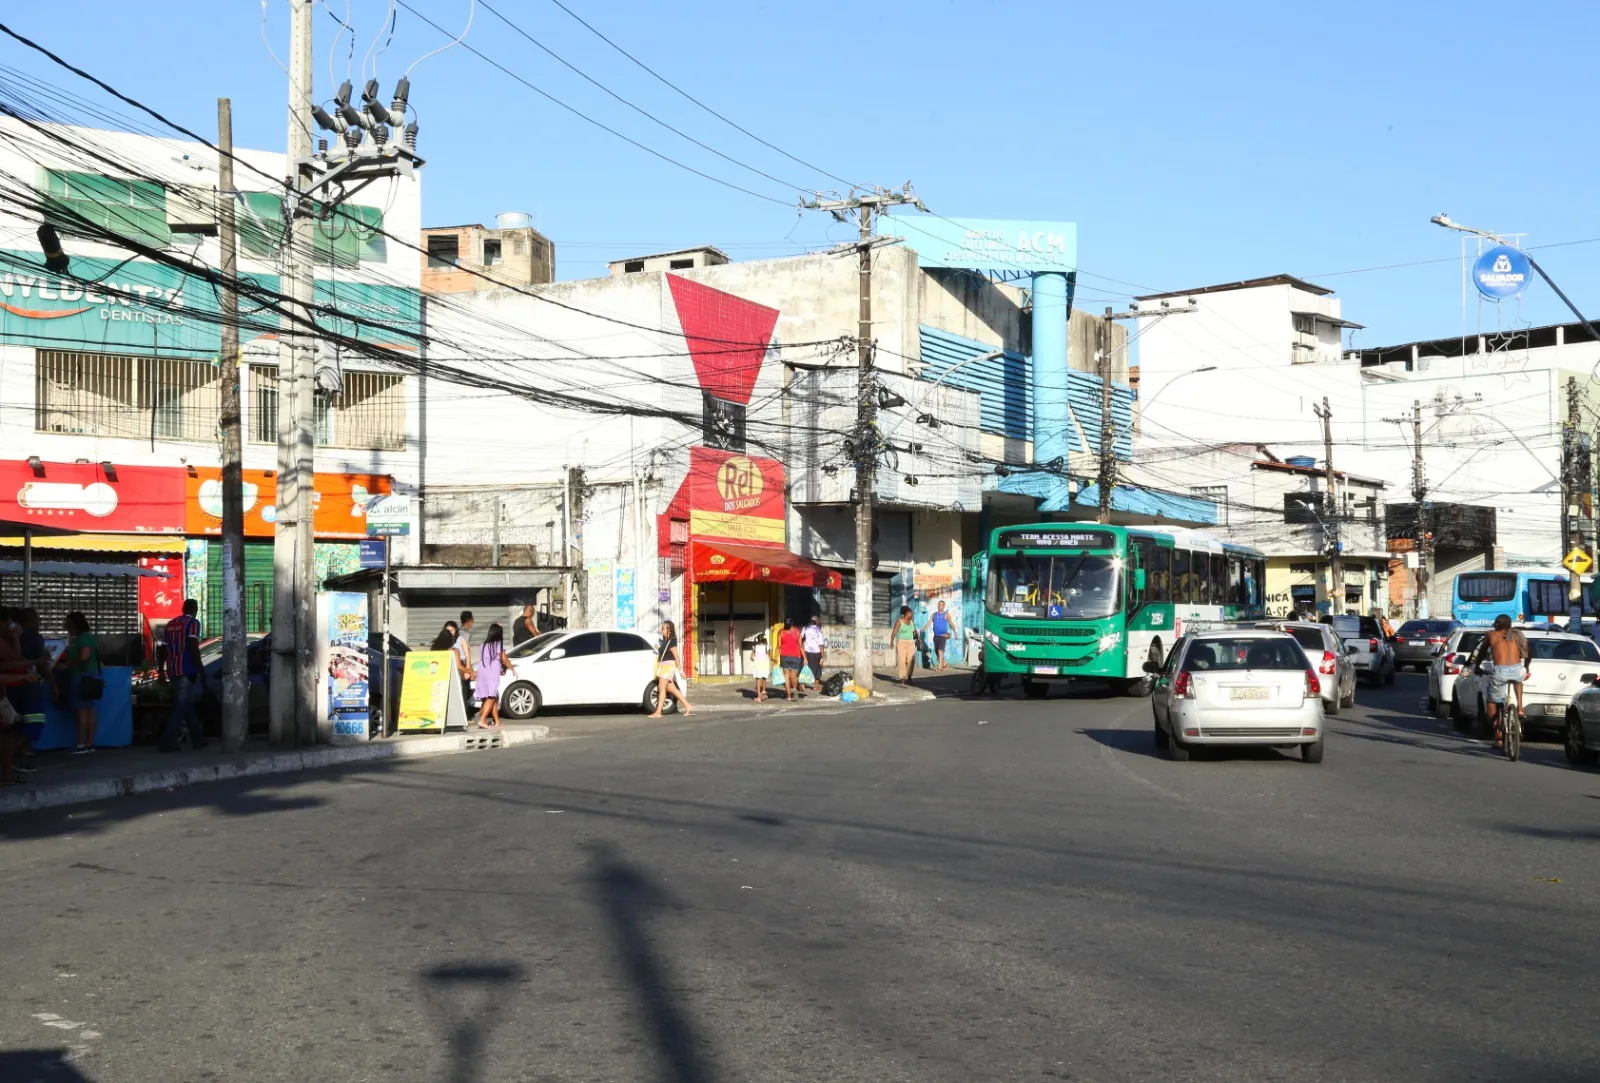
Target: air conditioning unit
192,209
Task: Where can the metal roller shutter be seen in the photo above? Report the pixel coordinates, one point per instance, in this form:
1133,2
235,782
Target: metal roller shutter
257,587
424,618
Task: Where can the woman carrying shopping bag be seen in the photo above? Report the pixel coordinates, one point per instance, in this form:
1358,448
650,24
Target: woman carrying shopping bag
669,663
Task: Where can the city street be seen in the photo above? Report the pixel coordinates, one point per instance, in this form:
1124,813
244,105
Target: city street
1005,890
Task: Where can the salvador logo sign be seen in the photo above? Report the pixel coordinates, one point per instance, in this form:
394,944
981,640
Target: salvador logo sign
1502,273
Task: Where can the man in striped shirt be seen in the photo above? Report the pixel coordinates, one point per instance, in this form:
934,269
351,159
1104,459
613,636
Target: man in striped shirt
181,638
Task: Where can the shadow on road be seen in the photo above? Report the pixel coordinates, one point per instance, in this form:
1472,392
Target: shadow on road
1139,742
45,1065
474,997
626,895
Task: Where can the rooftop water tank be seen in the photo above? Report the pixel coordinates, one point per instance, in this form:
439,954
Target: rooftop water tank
1301,460
513,220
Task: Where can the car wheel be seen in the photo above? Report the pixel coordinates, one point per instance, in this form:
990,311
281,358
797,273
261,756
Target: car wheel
1388,678
1035,689
1176,750
1330,707
1312,753
1457,718
1480,722
1579,754
1350,700
521,701
1433,705
1161,735
652,692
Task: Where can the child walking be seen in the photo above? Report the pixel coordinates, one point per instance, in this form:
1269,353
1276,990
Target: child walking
761,663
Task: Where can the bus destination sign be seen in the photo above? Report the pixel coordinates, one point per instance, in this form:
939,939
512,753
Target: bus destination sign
1057,539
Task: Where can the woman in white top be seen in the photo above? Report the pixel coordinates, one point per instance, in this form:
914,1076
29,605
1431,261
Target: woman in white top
761,663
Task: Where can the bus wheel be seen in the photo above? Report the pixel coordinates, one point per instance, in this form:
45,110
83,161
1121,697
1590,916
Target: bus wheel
1139,687
1035,689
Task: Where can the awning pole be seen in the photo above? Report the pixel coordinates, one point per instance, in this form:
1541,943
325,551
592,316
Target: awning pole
27,566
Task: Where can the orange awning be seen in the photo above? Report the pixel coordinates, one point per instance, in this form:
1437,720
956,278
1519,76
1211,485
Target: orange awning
170,544
721,562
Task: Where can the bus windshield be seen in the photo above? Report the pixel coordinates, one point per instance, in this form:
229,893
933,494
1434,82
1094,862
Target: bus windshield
1068,586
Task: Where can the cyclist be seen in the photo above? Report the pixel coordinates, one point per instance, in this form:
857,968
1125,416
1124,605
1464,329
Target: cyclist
1508,649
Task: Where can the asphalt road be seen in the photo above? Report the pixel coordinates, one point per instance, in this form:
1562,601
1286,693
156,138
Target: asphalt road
890,894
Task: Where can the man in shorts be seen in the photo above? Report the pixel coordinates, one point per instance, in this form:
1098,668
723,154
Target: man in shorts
939,621
1508,650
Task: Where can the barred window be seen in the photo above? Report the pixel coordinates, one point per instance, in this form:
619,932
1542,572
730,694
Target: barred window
1218,495
369,413
94,394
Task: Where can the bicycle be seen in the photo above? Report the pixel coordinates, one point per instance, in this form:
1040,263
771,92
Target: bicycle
1511,731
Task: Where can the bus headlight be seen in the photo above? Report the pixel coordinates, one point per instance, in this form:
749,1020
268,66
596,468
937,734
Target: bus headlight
1109,640
991,637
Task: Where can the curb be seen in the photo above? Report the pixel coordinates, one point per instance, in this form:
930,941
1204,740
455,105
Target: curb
23,799
901,697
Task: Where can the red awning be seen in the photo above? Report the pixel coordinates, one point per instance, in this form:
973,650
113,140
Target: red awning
715,561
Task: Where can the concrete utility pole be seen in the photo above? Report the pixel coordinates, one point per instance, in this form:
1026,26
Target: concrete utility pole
867,443
1572,533
235,681
1419,494
293,687
577,586
1335,512
1107,480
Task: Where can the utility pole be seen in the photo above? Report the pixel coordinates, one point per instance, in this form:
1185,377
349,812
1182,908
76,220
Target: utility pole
1572,532
1335,512
1419,495
235,681
577,585
866,442
1107,480
375,143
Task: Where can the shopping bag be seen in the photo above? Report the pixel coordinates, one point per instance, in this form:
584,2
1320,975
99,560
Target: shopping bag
806,676
776,677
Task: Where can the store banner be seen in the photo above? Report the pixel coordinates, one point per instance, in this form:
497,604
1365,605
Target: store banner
736,497
430,693
341,502
89,497
626,615
161,596
342,662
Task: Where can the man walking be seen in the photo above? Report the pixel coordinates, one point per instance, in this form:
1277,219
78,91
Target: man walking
524,628
1508,649
184,673
940,623
463,653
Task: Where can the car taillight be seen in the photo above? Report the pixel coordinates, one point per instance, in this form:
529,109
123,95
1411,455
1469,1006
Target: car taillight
1399,639
1328,660
1313,686
1372,644
1452,668
1183,687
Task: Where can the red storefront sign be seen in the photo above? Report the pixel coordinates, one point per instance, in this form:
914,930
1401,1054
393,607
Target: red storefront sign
161,599
735,497
88,497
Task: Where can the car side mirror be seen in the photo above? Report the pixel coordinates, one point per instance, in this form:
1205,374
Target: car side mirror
1151,667
1589,678
559,652
1351,648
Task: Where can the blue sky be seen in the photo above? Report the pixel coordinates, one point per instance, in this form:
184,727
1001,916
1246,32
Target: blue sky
1191,143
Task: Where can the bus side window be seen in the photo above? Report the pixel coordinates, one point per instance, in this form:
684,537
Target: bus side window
1219,579
1144,549
1180,575
1236,581
1160,575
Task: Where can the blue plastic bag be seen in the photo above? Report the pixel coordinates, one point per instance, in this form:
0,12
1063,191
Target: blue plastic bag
806,676
849,697
776,676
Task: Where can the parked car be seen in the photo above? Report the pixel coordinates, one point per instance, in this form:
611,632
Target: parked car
1446,667
1581,736
1417,642
1367,647
258,672
1335,671
1562,665
1237,687
583,667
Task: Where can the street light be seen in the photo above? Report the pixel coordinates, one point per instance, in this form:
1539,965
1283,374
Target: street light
1143,407
1445,221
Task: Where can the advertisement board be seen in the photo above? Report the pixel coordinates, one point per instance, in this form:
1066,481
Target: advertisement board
985,244
342,663
340,501
1502,272
88,497
736,497
430,693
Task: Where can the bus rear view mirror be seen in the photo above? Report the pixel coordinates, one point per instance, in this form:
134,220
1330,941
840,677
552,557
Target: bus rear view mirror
1138,580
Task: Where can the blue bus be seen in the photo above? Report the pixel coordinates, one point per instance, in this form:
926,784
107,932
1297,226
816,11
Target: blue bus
1523,594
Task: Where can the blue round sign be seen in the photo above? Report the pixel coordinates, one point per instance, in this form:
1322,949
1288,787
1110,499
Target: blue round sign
1502,273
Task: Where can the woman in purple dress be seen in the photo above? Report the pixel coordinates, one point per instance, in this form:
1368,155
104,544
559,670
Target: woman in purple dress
491,664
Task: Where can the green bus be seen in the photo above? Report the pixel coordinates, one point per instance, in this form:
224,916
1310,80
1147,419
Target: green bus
1065,601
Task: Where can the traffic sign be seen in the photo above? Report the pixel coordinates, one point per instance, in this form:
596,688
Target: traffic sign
1577,562
372,553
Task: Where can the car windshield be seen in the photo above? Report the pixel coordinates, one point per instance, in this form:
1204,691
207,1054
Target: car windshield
1347,627
1418,629
1565,650
1066,586
1309,638
534,645
1469,640
1486,587
1244,653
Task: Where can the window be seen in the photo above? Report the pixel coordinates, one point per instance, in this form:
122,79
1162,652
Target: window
622,642
1253,652
633,266
491,253
1236,581
444,252
1486,587
1160,576
342,236
1146,550
1180,576
1305,323
368,413
1072,586
581,646
76,202
534,645
134,397
1219,579
681,264
1216,494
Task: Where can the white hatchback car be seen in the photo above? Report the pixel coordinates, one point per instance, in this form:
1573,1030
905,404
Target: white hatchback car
1237,687
1335,671
1563,665
580,668
1446,668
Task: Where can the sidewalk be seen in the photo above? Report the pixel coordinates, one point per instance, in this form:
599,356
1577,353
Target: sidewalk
740,695
62,779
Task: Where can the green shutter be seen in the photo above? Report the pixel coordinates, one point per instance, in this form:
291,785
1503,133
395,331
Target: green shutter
257,587
133,209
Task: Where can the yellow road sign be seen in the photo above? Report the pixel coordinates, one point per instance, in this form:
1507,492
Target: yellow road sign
1577,562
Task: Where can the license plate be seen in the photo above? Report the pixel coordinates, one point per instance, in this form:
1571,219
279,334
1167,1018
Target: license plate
1555,708
1046,671
1247,693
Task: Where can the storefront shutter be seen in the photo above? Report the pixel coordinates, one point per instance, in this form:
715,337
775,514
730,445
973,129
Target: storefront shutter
257,587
